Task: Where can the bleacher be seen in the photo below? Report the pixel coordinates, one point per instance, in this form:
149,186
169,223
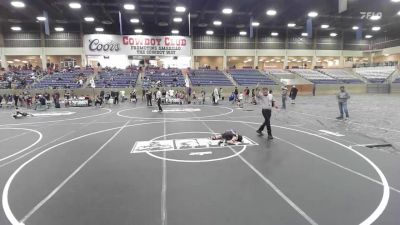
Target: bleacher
314,76
209,78
167,77
342,75
249,77
375,74
278,72
397,80
63,80
117,79
19,78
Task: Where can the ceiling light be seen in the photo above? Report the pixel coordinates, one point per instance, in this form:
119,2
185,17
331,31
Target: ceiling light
75,5
395,1
243,33
386,54
134,20
177,19
17,60
398,13
89,19
355,28
227,11
129,6
138,31
41,18
24,61
312,14
376,28
180,9
59,29
368,36
175,31
291,24
217,23
209,32
304,34
333,34
16,28
324,26
10,62
18,4
274,34
255,24
99,29
375,17
271,12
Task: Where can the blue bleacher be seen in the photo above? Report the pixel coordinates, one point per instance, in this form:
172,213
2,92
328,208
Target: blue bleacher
117,79
166,76
249,77
209,78
62,80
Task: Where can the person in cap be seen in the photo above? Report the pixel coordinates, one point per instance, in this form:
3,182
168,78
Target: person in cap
230,136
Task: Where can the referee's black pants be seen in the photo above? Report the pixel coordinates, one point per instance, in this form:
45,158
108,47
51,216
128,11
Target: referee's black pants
159,104
267,116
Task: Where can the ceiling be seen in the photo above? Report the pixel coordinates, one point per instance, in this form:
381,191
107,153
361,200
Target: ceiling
202,14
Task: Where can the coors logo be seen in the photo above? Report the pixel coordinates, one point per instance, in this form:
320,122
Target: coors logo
95,45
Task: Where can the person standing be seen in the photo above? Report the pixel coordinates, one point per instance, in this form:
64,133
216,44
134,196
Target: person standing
203,95
158,98
236,92
284,96
265,99
342,97
314,87
216,95
293,93
148,97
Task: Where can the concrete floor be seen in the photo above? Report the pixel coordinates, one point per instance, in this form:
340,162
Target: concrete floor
78,168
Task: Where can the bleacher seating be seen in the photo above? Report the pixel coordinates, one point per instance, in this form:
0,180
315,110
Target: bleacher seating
18,78
342,75
376,74
117,79
278,72
209,78
63,80
167,77
249,77
314,76
397,81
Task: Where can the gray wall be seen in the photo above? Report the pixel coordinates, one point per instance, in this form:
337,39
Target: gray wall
21,39
69,40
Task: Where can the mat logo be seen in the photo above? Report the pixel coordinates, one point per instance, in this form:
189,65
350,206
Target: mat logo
183,144
371,15
96,45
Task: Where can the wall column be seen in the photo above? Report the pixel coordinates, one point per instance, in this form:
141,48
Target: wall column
43,58
341,60
3,59
286,60
225,62
314,60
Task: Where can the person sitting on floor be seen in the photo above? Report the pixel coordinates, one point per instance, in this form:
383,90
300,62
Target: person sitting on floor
230,136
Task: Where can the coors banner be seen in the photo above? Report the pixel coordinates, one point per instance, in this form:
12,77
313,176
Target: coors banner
104,44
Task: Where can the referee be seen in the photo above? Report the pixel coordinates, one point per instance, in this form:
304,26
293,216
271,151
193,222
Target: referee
158,97
265,99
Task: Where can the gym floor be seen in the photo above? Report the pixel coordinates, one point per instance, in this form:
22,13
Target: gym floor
81,166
